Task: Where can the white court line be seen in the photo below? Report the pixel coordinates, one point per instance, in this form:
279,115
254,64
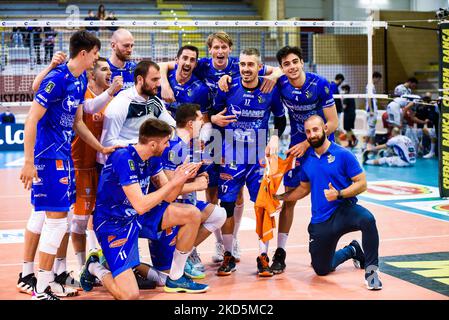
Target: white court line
256,249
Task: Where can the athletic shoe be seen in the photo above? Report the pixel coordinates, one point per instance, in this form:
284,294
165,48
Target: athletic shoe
46,295
192,272
219,251
263,266
236,250
196,261
184,284
87,279
429,155
278,265
372,280
67,279
365,156
27,283
62,291
227,266
359,256
144,283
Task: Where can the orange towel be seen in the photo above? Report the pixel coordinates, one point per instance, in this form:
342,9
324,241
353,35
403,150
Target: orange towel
266,206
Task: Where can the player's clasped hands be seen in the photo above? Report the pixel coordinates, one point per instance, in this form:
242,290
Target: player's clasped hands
27,175
202,181
331,194
116,85
221,120
186,171
299,149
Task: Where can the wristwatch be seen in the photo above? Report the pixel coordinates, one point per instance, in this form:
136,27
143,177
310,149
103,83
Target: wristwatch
339,197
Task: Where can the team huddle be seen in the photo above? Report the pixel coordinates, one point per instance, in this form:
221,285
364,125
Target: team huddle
118,151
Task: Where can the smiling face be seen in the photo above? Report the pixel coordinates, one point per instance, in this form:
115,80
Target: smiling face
249,68
187,61
219,50
292,66
315,132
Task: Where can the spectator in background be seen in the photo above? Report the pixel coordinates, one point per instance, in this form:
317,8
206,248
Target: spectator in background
92,17
101,13
17,37
349,116
34,33
339,78
7,117
49,43
406,88
111,16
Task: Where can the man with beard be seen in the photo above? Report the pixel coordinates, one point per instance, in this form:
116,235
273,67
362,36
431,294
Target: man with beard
122,44
242,112
131,107
303,94
331,169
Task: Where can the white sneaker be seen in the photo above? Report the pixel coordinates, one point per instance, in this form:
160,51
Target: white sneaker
60,290
196,261
66,279
219,252
46,295
236,250
429,155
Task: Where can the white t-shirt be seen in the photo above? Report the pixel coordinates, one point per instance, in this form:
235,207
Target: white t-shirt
394,111
403,147
401,90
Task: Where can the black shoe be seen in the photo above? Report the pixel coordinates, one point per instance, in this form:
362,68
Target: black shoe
227,266
278,265
143,283
263,266
46,295
365,156
358,257
27,283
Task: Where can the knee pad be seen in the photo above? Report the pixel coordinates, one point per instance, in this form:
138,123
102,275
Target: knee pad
229,207
79,224
52,234
216,219
36,221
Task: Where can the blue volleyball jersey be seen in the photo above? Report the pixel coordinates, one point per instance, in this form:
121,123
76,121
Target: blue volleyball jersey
127,72
60,93
252,110
193,91
123,167
310,99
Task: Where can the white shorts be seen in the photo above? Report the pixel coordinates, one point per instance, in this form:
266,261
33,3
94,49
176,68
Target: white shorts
396,162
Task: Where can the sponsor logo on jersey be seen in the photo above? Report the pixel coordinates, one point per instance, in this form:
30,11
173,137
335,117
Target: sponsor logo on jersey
171,156
235,110
38,181
40,195
330,158
64,180
110,238
88,191
260,99
131,165
308,94
59,165
49,87
226,176
118,243
326,89
69,103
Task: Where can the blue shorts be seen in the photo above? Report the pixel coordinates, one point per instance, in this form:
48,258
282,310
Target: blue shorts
120,246
213,170
55,188
234,176
200,205
161,250
151,222
291,177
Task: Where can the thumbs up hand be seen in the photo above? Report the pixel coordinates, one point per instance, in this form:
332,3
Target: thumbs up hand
331,194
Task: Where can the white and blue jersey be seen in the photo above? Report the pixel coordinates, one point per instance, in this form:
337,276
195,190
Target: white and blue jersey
310,99
127,72
193,91
60,93
337,166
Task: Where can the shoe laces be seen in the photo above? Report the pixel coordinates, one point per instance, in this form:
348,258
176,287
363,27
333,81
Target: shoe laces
236,247
219,248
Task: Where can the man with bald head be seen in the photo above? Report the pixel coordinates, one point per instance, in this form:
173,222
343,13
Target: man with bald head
334,178
122,45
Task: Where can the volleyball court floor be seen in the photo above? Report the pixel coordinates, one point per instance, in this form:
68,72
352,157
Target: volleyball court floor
413,224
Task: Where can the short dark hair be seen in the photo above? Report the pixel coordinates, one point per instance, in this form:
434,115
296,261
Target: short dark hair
185,113
143,67
83,40
346,87
153,128
412,80
339,76
285,51
188,47
100,59
377,74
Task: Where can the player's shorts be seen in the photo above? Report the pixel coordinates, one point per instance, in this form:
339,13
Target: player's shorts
397,162
214,175
200,205
151,222
54,190
86,191
234,176
162,250
120,246
291,177
432,133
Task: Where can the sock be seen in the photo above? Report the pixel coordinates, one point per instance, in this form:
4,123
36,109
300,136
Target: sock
91,241
432,147
80,258
98,270
27,268
178,264
263,246
282,239
43,280
218,235
238,214
227,241
60,265
157,276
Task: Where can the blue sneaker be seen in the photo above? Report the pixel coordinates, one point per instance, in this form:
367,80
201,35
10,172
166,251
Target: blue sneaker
192,272
184,284
87,279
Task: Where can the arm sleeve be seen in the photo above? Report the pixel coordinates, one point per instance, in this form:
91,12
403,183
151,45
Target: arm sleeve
115,116
96,104
303,175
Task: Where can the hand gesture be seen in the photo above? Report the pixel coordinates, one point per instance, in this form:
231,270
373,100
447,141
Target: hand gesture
185,172
116,85
221,120
331,194
299,149
109,150
223,83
